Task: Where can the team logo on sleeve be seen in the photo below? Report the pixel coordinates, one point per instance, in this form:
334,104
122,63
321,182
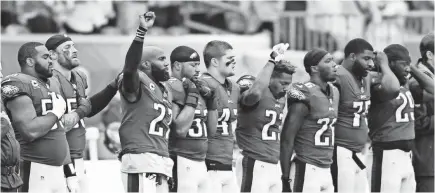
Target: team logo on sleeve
9,90
296,93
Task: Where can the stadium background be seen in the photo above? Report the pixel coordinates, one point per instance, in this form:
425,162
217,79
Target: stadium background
102,32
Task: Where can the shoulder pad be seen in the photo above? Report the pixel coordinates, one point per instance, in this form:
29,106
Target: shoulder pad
16,85
299,92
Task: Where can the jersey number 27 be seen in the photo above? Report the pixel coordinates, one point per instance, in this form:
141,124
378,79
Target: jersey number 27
273,115
156,130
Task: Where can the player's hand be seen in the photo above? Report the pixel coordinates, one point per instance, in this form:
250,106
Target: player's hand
192,93
73,184
203,89
70,120
279,51
59,105
286,184
147,20
381,59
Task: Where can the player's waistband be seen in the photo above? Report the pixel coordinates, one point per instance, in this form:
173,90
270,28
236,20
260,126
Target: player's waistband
404,145
355,157
215,165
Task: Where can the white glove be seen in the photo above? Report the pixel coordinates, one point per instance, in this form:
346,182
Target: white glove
279,51
59,105
73,184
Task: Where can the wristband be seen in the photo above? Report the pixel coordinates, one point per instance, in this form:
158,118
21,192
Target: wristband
69,170
273,55
192,100
140,32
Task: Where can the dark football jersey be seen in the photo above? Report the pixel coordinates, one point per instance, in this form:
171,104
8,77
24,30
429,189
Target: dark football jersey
52,148
392,120
145,123
314,142
351,128
258,128
221,144
72,92
194,145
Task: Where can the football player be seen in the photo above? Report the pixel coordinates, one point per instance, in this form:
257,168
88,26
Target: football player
355,86
10,179
309,127
424,120
188,142
73,84
146,115
392,133
220,62
260,116
35,107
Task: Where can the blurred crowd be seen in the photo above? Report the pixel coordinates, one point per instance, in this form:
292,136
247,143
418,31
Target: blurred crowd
243,17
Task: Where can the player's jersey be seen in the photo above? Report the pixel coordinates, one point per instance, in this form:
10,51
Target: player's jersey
351,127
314,142
145,122
52,148
194,145
220,145
72,92
258,128
393,120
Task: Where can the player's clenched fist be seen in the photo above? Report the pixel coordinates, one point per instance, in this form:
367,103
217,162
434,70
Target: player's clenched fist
279,51
147,19
380,59
59,105
70,120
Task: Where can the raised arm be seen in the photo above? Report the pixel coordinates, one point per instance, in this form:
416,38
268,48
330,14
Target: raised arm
27,123
388,86
130,82
254,94
425,80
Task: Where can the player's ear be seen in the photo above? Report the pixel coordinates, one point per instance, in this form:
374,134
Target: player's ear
53,55
314,69
429,55
177,65
30,62
352,56
214,62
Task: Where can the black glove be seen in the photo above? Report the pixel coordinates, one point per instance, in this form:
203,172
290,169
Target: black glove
286,184
192,93
203,89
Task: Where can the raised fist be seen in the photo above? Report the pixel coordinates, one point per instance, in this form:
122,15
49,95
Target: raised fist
147,20
279,51
380,58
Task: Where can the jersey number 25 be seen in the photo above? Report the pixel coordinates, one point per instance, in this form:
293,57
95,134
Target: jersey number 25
404,117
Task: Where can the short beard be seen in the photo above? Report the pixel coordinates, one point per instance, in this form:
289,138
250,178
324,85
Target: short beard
160,75
358,70
68,65
42,72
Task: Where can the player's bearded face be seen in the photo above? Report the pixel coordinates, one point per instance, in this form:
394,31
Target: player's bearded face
363,62
160,71
68,55
190,69
42,62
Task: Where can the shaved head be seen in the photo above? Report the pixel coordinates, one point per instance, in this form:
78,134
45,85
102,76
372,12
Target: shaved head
156,62
151,53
